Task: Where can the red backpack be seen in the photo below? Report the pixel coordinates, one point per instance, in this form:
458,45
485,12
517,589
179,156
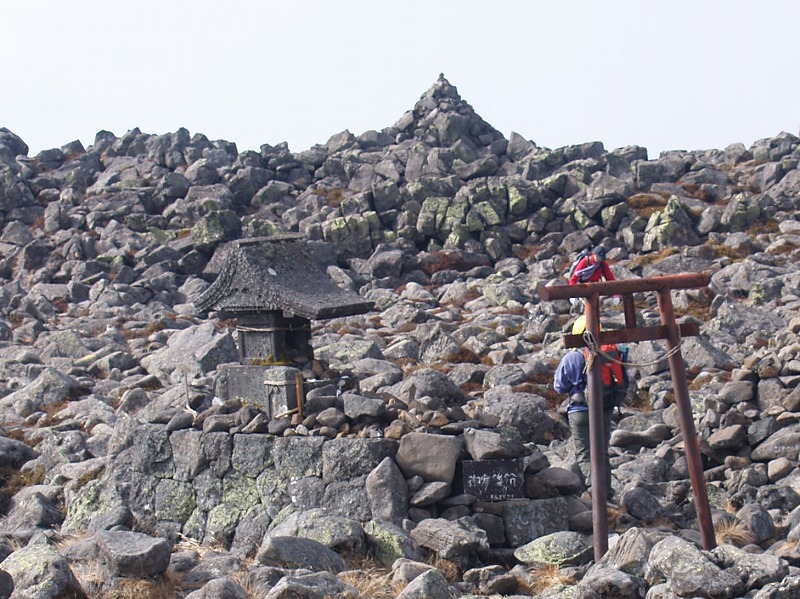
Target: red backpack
615,378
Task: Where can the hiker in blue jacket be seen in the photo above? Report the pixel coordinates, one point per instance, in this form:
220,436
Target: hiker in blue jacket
570,379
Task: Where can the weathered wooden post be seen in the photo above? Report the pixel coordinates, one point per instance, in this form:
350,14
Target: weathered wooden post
597,435
690,442
669,331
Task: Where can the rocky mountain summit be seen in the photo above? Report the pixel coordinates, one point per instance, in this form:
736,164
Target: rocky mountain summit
125,473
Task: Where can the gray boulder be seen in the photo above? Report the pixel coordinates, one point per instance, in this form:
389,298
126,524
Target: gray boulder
296,552
427,382
322,585
388,542
193,352
132,554
13,453
433,457
431,584
50,387
38,570
340,534
28,514
487,445
387,492
609,582
219,588
526,416
456,540
689,572
563,548
670,227
755,569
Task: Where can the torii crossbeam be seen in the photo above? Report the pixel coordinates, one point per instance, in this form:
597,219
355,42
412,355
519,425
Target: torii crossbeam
671,332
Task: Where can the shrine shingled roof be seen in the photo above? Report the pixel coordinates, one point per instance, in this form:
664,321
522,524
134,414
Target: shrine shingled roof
277,273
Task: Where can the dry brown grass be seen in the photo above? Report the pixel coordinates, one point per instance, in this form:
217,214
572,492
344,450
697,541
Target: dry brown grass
472,387
448,260
646,204
51,411
406,327
640,401
143,332
188,544
371,582
87,477
449,568
787,548
721,250
270,360
462,356
768,225
61,304
526,252
698,192
732,533
93,581
643,260
545,578
698,310
334,197
374,581
730,507
12,481
787,247
164,587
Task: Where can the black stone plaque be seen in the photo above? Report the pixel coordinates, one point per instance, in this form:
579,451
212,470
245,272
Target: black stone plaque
494,480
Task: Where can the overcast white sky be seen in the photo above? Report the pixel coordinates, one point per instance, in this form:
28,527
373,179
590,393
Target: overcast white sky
683,74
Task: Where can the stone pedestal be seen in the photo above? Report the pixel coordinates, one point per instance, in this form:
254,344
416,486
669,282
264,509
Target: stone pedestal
280,388
272,389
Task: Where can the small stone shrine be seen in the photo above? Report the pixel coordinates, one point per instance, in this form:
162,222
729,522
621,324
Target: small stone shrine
273,287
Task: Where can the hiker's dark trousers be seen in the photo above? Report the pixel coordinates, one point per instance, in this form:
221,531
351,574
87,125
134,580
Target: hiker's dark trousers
579,425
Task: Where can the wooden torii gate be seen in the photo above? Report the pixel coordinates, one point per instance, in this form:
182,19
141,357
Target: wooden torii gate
669,331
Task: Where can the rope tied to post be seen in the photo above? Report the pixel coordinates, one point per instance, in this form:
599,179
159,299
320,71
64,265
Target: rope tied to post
594,351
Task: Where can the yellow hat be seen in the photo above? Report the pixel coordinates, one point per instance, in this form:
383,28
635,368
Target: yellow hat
580,325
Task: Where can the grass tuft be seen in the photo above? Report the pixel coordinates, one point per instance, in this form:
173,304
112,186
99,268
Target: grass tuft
12,481
546,578
732,532
639,262
373,582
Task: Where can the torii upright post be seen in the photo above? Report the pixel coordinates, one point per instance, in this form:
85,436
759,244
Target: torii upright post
672,333
597,435
690,443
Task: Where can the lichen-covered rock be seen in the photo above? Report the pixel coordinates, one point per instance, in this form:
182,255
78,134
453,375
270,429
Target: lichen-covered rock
456,540
297,552
670,227
388,542
38,570
688,572
559,548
